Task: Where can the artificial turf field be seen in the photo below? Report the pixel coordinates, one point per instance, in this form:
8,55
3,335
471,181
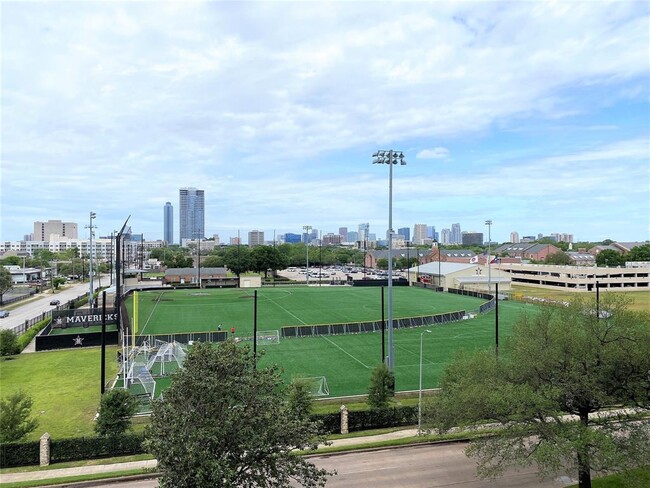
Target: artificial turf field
346,361
186,311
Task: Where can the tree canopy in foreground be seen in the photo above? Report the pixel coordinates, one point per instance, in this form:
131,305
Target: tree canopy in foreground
568,392
224,423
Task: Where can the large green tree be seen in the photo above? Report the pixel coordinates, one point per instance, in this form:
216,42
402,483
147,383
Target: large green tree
548,394
238,259
225,422
5,281
639,253
609,257
267,258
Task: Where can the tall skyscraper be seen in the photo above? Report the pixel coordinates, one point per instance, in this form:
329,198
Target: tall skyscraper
191,213
168,231
456,235
514,237
405,232
445,236
364,230
343,232
419,233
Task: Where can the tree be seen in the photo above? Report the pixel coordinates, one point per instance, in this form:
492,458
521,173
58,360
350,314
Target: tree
238,259
115,411
382,388
609,257
299,400
267,258
15,422
560,365
639,253
8,343
225,422
5,281
559,258
382,263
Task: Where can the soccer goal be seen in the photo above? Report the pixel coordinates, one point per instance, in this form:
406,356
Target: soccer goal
317,385
168,357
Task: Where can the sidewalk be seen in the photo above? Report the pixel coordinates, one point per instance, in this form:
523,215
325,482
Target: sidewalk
150,464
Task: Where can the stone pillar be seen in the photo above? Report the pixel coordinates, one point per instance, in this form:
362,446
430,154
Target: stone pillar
344,419
45,450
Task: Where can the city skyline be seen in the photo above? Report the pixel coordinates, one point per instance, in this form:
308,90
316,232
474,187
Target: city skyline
532,115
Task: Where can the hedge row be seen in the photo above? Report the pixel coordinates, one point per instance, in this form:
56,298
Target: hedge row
25,338
369,419
19,454
27,453
95,447
63,450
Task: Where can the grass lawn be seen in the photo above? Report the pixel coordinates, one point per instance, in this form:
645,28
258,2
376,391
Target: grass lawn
640,299
64,385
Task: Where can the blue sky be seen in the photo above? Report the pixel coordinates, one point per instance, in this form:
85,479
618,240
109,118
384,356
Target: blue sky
532,114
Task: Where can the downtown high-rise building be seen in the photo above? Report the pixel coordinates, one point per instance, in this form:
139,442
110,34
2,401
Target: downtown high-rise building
419,233
405,232
256,238
514,237
191,214
445,236
168,223
43,230
364,232
456,234
343,232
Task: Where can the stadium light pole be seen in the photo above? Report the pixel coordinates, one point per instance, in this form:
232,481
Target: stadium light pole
307,229
489,224
390,158
90,226
420,388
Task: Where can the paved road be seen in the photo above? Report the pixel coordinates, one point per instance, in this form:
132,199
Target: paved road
41,303
409,467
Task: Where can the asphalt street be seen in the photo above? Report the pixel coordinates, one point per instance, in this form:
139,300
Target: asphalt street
39,303
429,466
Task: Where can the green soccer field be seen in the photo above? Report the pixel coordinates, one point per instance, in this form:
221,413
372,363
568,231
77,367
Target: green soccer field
185,311
346,361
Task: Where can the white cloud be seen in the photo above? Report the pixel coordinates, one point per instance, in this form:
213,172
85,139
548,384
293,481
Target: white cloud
151,96
435,153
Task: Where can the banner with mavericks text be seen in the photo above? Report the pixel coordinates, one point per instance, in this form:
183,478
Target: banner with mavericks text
82,317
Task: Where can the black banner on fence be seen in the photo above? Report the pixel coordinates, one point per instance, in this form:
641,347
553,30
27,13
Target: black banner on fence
62,319
66,341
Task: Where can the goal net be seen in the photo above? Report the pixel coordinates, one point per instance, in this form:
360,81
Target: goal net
166,357
317,385
139,374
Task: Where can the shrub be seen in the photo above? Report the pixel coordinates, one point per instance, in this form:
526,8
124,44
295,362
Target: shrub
8,343
15,422
382,388
115,411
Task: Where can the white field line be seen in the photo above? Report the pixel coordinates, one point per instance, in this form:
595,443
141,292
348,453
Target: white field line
151,313
346,352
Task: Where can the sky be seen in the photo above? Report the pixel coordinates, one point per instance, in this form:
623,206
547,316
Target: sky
532,114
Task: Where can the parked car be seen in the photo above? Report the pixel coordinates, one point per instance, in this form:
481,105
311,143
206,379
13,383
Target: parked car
55,302
4,313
